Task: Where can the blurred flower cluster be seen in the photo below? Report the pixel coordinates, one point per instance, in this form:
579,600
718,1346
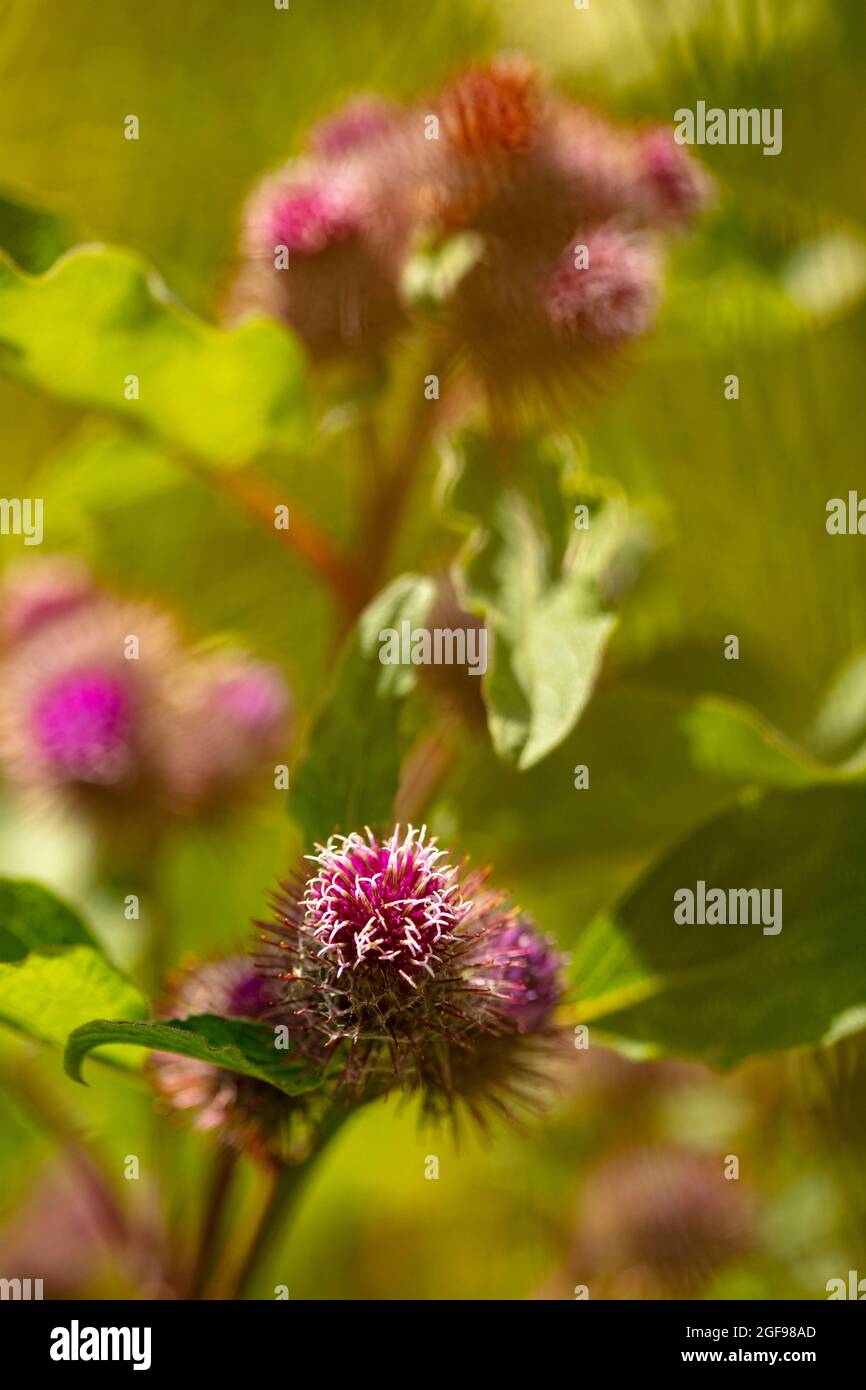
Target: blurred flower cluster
103,704
551,218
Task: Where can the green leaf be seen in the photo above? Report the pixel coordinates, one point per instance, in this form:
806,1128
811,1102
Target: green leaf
840,723
32,237
53,975
100,315
236,1045
32,919
99,473
349,775
540,590
727,992
658,765
433,272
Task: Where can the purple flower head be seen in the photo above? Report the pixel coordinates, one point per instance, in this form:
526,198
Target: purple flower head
247,997
383,904
513,170
384,959
227,986
238,1111
523,966
346,242
671,185
82,725
237,719
89,708
610,299
36,594
356,124
309,219
253,696
662,1222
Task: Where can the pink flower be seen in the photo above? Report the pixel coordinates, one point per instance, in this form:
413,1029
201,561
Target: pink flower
358,123
672,187
389,904
238,1111
35,594
609,300
309,218
405,969
237,719
89,704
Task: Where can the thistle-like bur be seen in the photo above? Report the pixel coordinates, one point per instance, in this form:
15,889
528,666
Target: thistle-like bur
36,594
104,708
89,717
529,177
659,1222
324,239
237,1111
237,716
411,974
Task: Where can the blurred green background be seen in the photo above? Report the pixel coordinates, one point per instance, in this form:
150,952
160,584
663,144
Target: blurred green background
737,491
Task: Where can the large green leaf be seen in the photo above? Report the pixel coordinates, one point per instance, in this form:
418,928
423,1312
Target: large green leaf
349,775
53,975
726,992
233,1044
538,588
100,316
657,763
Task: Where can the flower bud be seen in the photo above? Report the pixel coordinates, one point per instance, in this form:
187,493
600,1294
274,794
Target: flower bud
524,968
239,1111
324,243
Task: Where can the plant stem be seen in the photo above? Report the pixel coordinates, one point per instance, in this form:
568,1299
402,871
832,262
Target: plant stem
303,536
423,770
221,1176
282,1199
111,1218
393,488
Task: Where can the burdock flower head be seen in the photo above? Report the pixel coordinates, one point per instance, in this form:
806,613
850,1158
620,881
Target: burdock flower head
662,1222
324,238
34,595
240,1112
104,707
87,705
237,717
522,163
410,972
